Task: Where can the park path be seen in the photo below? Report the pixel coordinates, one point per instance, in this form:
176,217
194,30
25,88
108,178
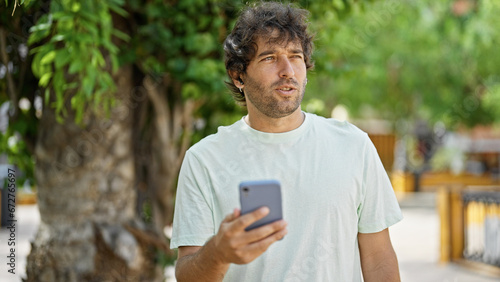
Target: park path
416,242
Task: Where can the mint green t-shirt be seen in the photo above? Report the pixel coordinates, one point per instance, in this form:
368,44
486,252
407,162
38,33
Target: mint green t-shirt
333,186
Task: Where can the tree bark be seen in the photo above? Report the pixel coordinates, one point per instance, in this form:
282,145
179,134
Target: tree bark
89,229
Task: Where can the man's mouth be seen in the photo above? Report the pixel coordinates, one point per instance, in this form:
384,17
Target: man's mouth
286,89
286,86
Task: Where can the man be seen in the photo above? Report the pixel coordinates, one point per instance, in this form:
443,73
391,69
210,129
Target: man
337,199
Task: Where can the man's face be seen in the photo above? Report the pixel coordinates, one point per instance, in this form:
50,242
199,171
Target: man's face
275,79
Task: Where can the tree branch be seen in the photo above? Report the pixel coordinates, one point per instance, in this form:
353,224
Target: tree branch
187,120
162,110
148,238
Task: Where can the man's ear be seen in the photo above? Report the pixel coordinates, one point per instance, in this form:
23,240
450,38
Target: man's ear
236,77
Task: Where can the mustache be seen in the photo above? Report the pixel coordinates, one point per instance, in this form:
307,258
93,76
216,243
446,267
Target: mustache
286,81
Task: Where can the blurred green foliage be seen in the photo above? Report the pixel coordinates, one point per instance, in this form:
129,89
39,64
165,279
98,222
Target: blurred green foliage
415,60
181,42
75,35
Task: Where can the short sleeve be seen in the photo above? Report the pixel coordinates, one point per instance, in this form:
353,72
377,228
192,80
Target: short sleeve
193,217
379,207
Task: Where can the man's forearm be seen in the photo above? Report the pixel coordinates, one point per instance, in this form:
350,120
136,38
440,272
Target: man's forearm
386,272
202,265
384,268
378,259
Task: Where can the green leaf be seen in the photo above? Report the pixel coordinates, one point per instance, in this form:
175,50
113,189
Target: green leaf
88,82
110,46
38,35
119,10
76,7
35,66
97,59
86,39
75,66
60,15
59,101
92,28
93,18
58,83
123,36
79,114
44,23
57,38
69,86
44,80
47,96
114,63
62,58
48,58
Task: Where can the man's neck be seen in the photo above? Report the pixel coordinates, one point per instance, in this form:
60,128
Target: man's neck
275,125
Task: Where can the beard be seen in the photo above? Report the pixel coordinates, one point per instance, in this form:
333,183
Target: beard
271,104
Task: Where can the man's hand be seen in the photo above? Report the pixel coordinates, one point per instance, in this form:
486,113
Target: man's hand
231,244
235,245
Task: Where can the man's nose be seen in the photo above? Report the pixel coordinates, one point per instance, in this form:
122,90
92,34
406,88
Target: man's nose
285,68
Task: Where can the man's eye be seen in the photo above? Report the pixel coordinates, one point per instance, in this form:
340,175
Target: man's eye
267,58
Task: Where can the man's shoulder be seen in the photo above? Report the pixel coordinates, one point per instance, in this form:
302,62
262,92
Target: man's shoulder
224,135
337,127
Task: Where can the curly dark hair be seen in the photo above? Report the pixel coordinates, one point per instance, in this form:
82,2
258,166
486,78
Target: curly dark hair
261,20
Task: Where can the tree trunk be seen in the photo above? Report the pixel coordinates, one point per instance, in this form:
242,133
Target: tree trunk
89,229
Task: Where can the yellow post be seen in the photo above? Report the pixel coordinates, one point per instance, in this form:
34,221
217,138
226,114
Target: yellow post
444,219
457,225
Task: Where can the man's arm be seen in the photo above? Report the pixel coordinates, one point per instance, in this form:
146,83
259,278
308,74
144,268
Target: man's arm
232,244
378,259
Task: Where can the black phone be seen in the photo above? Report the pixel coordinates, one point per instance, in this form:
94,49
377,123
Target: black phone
256,194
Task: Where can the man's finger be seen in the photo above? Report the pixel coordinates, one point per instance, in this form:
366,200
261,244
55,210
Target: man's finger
230,217
264,231
262,245
246,220
236,212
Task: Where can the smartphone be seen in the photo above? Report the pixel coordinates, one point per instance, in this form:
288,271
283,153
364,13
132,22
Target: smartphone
256,194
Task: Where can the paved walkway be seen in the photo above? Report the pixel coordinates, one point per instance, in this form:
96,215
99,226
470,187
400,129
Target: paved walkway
416,242
28,219
415,239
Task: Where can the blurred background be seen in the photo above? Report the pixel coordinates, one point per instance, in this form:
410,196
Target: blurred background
99,100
